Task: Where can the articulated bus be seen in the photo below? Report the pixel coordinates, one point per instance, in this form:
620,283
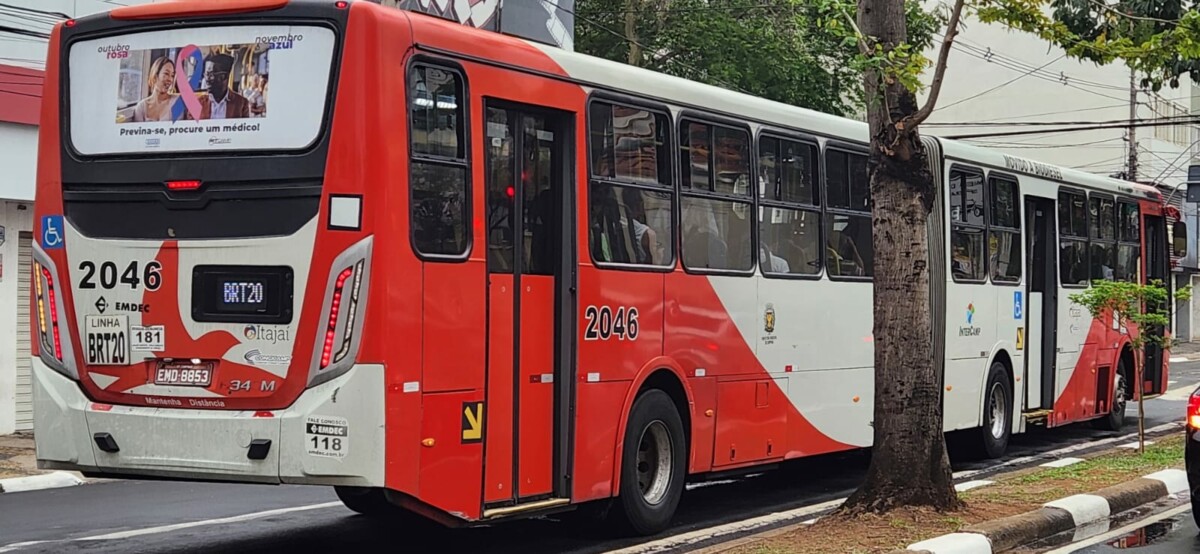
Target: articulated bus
461,276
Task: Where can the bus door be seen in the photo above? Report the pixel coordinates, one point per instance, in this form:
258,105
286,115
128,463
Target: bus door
1156,269
527,213
1041,310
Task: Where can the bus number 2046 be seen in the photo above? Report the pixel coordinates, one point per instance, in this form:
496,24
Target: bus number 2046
603,323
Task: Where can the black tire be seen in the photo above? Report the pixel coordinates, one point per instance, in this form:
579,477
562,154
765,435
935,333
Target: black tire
1196,508
651,484
367,501
371,502
1116,417
993,435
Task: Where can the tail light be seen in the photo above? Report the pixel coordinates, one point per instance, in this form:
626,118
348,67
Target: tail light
53,342
47,302
340,332
1193,410
336,310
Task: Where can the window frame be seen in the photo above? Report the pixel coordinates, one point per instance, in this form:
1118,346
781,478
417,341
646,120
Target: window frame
849,149
672,187
1019,230
951,223
692,116
1086,239
1137,206
818,208
464,163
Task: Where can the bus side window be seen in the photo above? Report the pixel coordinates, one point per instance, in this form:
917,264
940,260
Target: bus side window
717,198
1004,230
1129,245
789,216
1073,239
1102,229
849,251
967,226
439,170
630,194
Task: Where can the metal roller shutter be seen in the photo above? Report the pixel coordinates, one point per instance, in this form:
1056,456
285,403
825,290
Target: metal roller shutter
24,366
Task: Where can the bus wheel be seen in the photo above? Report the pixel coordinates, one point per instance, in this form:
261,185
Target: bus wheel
997,413
1116,418
653,462
368,501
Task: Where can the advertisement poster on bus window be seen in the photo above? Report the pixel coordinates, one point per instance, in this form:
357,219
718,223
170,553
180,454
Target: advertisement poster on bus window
200,89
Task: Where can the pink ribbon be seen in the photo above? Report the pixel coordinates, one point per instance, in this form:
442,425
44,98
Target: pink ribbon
187,87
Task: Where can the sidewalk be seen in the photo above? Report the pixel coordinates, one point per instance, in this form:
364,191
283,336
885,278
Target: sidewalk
1188,351
17,456
18,467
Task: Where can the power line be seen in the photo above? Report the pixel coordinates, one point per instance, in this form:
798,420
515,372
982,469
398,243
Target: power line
1004,84
59,15
1184,119
1065,83
1194,120
990,52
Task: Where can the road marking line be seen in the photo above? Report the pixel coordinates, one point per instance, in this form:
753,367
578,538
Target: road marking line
691,537
1134,445
964,487
177,526
1178,359
1063,462
1076,547
1178,393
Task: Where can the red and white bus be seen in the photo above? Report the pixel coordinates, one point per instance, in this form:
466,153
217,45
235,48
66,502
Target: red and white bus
474,277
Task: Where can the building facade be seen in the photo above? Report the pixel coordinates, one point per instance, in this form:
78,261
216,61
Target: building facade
24,28
1016,93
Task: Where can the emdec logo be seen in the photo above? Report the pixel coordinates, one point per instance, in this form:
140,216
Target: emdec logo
970,330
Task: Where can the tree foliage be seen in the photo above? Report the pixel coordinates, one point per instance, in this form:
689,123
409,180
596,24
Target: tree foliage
774,49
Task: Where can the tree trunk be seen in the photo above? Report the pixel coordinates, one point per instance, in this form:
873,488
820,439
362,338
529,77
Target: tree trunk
909,464
1138,388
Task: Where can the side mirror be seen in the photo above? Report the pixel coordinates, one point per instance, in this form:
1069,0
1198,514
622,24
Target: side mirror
1179,239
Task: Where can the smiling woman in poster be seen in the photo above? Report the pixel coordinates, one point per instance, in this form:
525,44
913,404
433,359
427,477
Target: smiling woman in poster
157,106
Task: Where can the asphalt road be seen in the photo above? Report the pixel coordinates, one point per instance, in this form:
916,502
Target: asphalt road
155,516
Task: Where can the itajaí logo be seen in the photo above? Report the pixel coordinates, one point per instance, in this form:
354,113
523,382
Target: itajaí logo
970,313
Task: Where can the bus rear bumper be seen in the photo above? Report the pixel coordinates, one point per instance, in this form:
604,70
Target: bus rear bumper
190,444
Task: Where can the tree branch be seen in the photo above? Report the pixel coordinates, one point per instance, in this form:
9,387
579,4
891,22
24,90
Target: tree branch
863,48
939,74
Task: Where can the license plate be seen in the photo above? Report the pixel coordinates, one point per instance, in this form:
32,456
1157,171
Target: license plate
107,339
188,374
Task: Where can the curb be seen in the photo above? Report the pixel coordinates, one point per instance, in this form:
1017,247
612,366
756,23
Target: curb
1080,512
53,480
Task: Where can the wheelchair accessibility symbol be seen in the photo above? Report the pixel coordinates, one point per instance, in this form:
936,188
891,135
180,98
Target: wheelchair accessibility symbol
52,232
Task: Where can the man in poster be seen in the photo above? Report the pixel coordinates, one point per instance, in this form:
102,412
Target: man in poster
220,102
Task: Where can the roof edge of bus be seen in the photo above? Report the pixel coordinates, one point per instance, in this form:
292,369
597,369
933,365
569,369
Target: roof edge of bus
653,84
179,8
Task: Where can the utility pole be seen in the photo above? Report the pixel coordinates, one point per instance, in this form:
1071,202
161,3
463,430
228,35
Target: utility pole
1131,166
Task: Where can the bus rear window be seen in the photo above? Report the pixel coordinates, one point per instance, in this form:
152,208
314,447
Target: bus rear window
200,89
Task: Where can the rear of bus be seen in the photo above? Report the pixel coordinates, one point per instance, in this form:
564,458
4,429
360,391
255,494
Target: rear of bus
203,254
